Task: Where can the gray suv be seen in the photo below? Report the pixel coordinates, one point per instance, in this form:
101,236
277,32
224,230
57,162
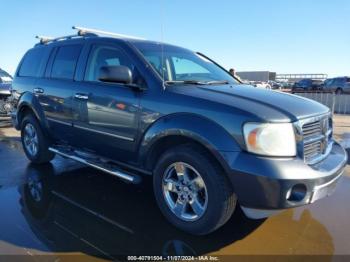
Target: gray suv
135,108
338,85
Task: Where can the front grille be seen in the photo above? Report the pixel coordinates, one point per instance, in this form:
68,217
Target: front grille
312,129
316,136
312,150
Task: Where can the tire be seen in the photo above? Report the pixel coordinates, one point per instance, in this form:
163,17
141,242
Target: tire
215,195
339,91
31,133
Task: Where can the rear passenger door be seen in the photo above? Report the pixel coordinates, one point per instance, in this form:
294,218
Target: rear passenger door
107,114
56,90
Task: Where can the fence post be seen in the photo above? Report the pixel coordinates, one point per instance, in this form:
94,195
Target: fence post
333,104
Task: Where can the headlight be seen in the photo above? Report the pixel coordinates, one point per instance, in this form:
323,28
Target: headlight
270,139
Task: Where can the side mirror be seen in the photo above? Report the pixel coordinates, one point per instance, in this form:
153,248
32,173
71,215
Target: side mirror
115,74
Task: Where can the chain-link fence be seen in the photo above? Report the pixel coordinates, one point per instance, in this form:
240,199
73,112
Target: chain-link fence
339,104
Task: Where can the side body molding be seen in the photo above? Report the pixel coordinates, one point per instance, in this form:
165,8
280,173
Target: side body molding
198,128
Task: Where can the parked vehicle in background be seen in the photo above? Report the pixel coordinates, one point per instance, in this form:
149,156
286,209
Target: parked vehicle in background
275,85
134,108
338,85
286,84
307,85
5,92
260,84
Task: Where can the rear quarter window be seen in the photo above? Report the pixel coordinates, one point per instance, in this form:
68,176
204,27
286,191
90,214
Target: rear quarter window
33,62
65,62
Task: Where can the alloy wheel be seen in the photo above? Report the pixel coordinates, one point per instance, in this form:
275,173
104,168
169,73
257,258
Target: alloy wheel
30,138
184,191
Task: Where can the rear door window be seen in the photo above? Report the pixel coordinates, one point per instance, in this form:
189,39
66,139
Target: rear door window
32,63
65,62
338,81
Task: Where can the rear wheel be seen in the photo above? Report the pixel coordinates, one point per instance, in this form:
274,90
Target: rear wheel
339,91
35,144
192,190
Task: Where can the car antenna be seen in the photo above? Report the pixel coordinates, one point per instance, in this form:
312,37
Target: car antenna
162,39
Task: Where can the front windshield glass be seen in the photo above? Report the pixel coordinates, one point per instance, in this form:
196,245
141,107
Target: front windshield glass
179,65
5,77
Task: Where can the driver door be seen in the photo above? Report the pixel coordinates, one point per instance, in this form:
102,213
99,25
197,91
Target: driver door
106,115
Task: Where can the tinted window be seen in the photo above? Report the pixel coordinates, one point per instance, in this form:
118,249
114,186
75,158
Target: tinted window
32,62
4,77
65,62
328,82
105,56
339,81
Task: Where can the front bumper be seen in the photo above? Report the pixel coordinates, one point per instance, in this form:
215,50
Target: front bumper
264,185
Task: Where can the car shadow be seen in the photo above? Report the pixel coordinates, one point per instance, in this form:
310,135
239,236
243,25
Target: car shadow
82,210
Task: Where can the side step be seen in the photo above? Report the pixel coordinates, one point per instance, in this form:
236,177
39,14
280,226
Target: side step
95,163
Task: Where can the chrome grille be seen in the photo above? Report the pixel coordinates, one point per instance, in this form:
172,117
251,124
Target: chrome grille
312,150
316,138
312,129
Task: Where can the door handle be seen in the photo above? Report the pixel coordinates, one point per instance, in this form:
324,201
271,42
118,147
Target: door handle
81,96
38,90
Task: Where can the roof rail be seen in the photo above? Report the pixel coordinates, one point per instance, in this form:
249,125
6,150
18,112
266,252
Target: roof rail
82,31
44,39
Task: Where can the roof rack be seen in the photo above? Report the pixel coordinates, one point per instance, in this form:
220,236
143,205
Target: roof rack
44,39
82,31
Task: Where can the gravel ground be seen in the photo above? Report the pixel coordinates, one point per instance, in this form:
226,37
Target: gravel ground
342,129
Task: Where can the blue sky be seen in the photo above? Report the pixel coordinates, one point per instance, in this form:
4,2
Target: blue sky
287,36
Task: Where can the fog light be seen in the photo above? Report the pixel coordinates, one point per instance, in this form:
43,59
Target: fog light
297,193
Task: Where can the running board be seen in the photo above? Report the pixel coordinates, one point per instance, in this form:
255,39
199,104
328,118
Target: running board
107,168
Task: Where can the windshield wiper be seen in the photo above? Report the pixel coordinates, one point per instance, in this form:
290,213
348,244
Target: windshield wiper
187,82
220,82
196,82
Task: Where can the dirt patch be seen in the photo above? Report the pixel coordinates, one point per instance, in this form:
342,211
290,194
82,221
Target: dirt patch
341,127
10,136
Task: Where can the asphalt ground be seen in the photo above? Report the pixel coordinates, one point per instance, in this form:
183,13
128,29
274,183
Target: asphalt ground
87,215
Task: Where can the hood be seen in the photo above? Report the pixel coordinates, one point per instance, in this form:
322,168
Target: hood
270,105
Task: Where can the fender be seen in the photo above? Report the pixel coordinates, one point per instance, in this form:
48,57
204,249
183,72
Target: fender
29,100
198,128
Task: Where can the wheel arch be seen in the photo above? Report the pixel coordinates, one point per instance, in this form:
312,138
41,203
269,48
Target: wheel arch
28,103
339,88
184,128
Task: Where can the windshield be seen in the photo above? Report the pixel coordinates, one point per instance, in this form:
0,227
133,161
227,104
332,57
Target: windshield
179,65
5,77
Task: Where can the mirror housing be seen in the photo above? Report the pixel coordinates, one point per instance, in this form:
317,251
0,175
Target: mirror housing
115,74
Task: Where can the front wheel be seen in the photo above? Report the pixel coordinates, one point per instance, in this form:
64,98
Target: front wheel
35,144
192,190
